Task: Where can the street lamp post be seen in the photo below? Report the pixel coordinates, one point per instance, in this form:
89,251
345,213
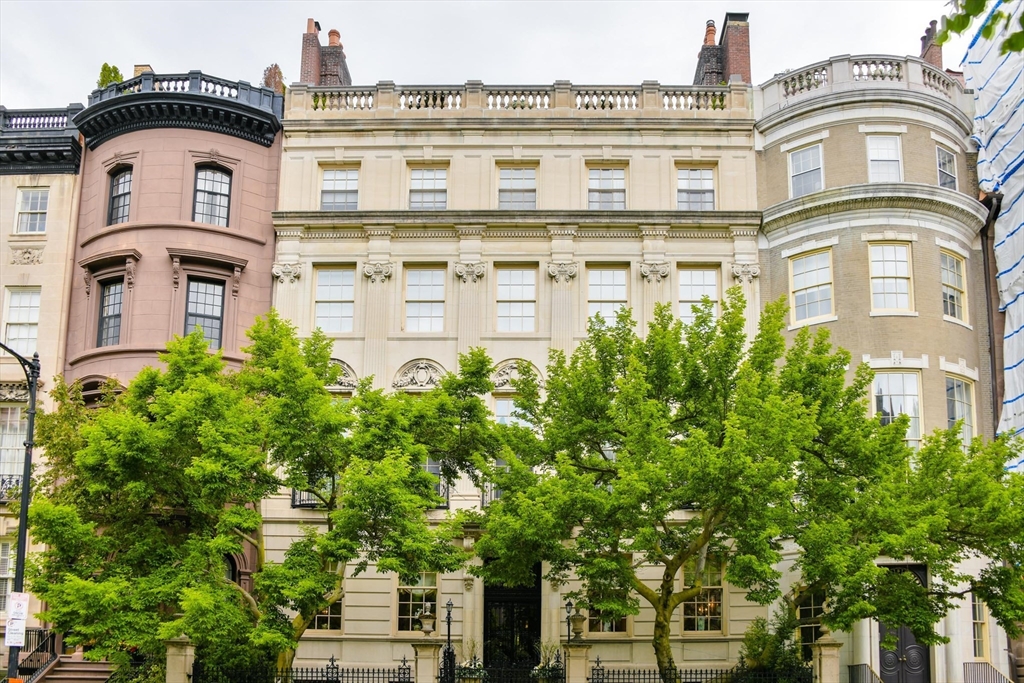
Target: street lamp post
32,371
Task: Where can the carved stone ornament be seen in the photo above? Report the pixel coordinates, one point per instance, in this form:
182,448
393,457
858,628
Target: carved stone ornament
654,272
419,375
563,271
746,272
26,257
378,271
236,280
13,392
507,371
287,271
470,271
87,276
175,270
468,583
347,379
129,272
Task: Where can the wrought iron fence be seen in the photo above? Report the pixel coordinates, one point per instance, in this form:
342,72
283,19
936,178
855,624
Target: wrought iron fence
40,656
739,674
332,673
862,673
983,672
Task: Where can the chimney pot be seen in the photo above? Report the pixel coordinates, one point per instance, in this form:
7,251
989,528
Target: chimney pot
709,32
310,25
141,69
334,37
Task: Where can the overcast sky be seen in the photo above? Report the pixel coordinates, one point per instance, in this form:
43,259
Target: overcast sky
51,51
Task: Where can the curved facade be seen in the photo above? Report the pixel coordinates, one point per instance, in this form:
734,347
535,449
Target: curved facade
179,180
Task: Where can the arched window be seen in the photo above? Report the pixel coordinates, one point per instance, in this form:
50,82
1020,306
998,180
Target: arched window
120,195
213,196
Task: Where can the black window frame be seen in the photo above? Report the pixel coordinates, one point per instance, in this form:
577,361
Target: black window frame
115,175
104,286
195,194
220,319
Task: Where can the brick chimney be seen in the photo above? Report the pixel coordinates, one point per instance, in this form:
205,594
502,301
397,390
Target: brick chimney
323,64
709,59
142,69
735,44
930,51
709,32
309,71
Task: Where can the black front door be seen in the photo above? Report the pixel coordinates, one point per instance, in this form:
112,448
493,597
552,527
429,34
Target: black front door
512,626
909,662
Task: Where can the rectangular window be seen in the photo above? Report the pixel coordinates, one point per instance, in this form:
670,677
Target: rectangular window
328,619
213,196
503,412
703,612
890,277
598,623
335,299
109,328
428,190
517,188
517,299
954,293
120,196
960,406
812,286
810,612
205,310
6,573
696,190
805,170
416,599
607,189
13,432
32,210
884,159
424,300
22,320
946,161
606,292
898,393
979,621
340,191
694,285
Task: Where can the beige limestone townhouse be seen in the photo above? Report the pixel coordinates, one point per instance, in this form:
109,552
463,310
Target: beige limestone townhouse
415,222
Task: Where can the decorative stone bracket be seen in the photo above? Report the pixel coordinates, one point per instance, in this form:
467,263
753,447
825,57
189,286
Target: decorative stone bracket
470,271
654,272
378,271
563,271
286,271
746,272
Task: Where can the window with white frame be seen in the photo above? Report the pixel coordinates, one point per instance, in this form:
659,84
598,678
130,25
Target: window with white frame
32,210
805,171
890,277
979,627
13,432
6,572
329,618
599,622
960,406
340,190
212,200
606,189
696,190
22,319
694,285
703,612
884,159
517,188
899,393
120,196
415,599
811,293
335,299
954,292
517,299
606,289
810,611
204,308
504,412
108,330
946,162
424,300
428,189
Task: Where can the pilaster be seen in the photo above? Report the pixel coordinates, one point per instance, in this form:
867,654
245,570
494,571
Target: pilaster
562,270
378,272
427,660
746,272
181,654
578,661
655,274
826,658
469,275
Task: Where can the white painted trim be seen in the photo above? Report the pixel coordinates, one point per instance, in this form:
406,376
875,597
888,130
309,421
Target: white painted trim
946,142
888,236
893,314
881,129
953,247
804,141
956,321
812,321
812,245
896,360
958,368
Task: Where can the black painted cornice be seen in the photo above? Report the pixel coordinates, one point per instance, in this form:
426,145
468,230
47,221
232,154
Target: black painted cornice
39,141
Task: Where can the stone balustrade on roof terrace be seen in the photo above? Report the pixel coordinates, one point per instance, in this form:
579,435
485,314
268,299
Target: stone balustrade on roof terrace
475,100
858,77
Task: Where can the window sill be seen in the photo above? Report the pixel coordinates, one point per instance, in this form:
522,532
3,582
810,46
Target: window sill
27,236
957,321
812,321
894,314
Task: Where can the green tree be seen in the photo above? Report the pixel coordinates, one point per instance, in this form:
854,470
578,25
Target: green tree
995,17
648,457
108,75
146,496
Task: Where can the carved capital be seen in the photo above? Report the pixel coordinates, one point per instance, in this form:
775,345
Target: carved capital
378,271
27,257
418,375
654,272
286,271
563,271
746,272
470,272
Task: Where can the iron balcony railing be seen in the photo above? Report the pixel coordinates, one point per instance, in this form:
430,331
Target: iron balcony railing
10,487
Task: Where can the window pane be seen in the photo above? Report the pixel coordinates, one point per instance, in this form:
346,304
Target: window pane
120,196
204,309
884,156
22,320
607,292
517,188
607,189
694,285
890,277
696,191
424,300
897,393
516,300
13,432
110,313
812,286
805,167
953,292
340,190
213,193
416,599
335,299
959,406
703,612
32,211
947,168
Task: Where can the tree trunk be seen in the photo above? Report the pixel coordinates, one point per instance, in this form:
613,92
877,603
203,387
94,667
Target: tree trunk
663,645
285,658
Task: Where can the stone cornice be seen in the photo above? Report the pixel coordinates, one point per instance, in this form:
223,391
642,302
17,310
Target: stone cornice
184,225
318,128
39,141
968,214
